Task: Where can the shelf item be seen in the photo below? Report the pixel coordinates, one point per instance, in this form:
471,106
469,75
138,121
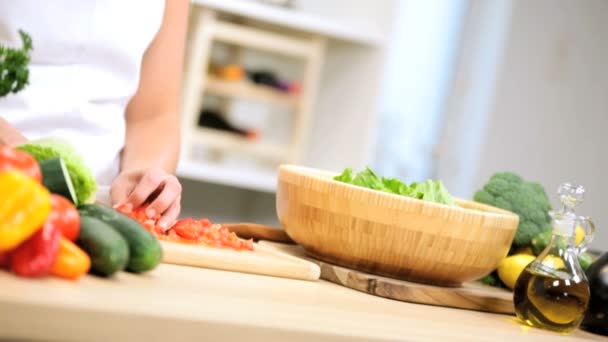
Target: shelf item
230,142
240,177
296,20
215,120
270,79
230,72
246,90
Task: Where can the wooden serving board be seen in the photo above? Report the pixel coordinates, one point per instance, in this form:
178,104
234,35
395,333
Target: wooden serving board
262,260
472,296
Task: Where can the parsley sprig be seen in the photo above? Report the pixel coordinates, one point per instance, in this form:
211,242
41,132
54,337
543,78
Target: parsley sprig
14,66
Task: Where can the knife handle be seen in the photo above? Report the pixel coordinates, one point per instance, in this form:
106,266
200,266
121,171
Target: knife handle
259,232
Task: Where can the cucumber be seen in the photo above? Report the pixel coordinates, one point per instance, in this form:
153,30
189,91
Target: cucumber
56,178
144,248
108,250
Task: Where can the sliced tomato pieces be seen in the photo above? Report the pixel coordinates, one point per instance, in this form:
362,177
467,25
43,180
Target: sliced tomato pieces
188,228
190,231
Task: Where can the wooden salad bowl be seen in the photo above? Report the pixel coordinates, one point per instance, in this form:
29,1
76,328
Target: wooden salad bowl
391,235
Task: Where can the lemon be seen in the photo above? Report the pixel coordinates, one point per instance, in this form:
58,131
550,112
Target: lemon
554,262
511,267
579,235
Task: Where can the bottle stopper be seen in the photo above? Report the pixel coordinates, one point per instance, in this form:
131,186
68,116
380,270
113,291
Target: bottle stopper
570,195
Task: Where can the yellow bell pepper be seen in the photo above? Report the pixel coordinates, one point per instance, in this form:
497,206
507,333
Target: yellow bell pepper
24,207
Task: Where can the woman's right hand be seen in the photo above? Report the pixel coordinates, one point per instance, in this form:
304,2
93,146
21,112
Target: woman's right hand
9,135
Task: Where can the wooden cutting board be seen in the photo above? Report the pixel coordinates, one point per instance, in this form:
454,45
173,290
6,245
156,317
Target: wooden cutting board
262,260
472,296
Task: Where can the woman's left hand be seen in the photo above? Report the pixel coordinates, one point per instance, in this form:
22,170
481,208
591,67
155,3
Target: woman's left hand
155,186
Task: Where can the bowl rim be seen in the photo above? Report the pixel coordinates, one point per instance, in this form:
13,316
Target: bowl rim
326,176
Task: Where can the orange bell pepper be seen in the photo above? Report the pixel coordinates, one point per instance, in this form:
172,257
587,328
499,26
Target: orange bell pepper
72,262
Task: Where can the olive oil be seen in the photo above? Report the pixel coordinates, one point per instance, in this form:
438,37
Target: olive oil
550,302
552,292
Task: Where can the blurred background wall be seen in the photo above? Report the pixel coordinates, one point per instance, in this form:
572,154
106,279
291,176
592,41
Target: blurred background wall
546,113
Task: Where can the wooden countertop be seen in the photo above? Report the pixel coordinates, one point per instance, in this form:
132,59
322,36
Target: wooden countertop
178,303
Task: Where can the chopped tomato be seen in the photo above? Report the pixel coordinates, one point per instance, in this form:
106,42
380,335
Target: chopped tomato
191,231
141,216
188,228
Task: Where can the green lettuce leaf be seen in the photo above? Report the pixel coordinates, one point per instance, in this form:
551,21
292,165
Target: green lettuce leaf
395,186
368,179
346,176
429,190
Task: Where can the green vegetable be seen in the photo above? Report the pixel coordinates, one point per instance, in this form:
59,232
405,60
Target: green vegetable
492,279
346,176
429,190
585,260
541,241
81,176
14,72
368,179
396,186
145,252
509,191
108,250
56,178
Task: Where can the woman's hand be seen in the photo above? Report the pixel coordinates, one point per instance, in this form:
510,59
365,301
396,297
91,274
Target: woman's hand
161,191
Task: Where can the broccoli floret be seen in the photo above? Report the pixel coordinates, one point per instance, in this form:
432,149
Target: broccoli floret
507,190
81,176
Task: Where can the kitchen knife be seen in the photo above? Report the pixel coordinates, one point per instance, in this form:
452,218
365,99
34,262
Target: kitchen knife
259,232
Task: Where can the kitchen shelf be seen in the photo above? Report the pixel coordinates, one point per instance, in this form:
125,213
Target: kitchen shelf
228,142
208,27
296,20
246,90
262,40
245,178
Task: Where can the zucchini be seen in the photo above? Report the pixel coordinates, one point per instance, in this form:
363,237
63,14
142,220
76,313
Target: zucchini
56,178
145,249
108,250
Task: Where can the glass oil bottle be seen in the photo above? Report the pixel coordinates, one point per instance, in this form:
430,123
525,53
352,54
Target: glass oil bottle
553,292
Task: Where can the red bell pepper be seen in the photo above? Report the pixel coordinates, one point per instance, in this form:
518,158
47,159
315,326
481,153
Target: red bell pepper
4,260
13,159
35,257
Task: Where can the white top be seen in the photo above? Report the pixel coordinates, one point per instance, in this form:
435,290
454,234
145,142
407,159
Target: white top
84,69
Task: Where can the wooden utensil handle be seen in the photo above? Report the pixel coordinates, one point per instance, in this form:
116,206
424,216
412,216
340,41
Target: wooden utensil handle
259,232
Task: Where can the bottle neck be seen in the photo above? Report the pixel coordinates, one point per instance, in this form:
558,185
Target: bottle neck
562,243
564,225
562,247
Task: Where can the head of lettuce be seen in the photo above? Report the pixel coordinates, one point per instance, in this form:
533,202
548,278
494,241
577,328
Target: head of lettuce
81,176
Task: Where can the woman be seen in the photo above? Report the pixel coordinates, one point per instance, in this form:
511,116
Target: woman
105,75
